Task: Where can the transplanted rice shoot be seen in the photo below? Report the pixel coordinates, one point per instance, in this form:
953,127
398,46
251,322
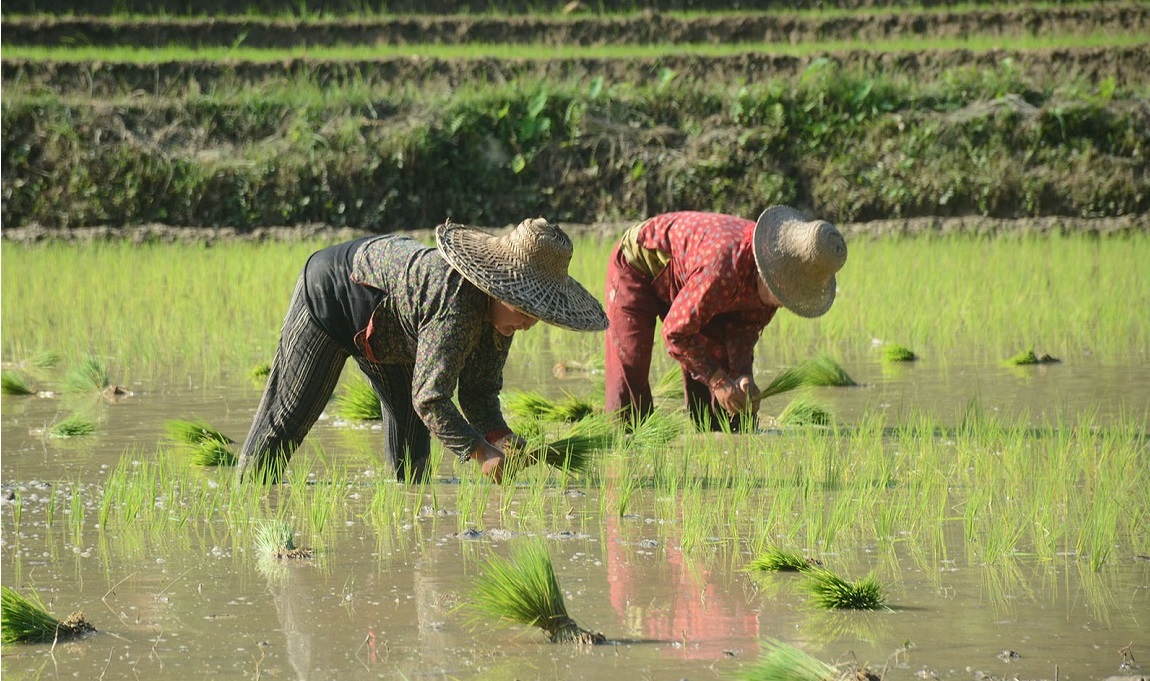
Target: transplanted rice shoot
523,589
892,352
275,540
14,383
358,401
831,592
25,620
777,559
805,410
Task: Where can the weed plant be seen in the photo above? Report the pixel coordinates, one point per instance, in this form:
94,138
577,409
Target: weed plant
25,620
523,589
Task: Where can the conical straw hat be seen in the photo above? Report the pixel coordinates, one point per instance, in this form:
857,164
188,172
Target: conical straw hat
798,259
525,268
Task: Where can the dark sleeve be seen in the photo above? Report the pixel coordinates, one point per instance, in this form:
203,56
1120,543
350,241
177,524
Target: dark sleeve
481,383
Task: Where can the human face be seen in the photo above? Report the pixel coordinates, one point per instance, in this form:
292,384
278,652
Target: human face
766,296
507,319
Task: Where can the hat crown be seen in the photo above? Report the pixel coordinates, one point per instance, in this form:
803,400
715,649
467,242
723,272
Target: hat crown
817,245
543,246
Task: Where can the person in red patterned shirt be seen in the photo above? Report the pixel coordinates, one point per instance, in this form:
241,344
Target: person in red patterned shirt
716,281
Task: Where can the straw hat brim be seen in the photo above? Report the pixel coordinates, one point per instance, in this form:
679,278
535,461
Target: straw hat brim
805,296
487,261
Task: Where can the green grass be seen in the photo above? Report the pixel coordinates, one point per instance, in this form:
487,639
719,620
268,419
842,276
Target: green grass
24,619
147,55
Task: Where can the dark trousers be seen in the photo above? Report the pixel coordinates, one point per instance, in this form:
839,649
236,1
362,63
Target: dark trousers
304,373
632,309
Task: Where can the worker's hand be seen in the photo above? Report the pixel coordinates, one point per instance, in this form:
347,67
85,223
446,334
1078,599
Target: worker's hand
746,383
515,447
733,395
491,460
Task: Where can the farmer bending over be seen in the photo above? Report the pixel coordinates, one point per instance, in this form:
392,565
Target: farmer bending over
716,281
419,321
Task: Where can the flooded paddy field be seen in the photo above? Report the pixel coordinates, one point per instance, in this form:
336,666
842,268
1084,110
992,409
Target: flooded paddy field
1002,508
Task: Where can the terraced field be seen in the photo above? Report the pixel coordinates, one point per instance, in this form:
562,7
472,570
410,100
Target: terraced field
397,121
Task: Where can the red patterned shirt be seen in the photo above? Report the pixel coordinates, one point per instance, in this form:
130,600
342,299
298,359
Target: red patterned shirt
711,285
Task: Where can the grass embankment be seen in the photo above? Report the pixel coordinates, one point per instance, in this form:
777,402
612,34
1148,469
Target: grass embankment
849,143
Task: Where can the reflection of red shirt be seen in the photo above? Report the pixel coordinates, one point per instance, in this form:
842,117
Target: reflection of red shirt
711,285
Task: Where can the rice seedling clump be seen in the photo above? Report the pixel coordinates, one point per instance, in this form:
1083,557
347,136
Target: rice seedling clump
204,444
898,353
523,589
75,425
87,376
25,620
14,383
831,592
820,371
783,662
275,540
358,402
804,410
777,559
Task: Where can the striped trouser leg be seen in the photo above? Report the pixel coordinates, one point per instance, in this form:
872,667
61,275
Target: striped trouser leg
407,440
304,373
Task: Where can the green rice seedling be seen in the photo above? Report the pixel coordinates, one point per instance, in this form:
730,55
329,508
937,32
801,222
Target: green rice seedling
571,409
523,589
204,444
527,404
275,540
1031,357
670,384
776,559
575,452
261,370
14,383
831,592
805,410
87,376
820,371
24,619
893,352
784,662
76,425
358,401
43,360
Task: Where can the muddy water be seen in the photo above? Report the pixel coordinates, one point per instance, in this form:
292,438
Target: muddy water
381,604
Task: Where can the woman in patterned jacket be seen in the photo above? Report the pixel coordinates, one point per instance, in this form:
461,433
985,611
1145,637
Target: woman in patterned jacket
716,281
420,323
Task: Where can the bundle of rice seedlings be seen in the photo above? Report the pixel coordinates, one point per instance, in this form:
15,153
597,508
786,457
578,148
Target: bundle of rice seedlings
820,371
44,360
87,376
523,589
670,384
261,370
358,401
527,404
75,425
897,353
14,383
26,620
805,410
275,540
575,452
205,445
777,559
571,409
1031,357
831,592
784,662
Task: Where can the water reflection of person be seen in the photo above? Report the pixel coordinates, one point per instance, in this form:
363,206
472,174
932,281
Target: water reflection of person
420,323
701,614
716,281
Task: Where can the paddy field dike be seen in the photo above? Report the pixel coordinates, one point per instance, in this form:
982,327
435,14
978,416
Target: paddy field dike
377,118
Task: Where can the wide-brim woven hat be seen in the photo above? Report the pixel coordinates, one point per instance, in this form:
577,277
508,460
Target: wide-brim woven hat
525,268
798,259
